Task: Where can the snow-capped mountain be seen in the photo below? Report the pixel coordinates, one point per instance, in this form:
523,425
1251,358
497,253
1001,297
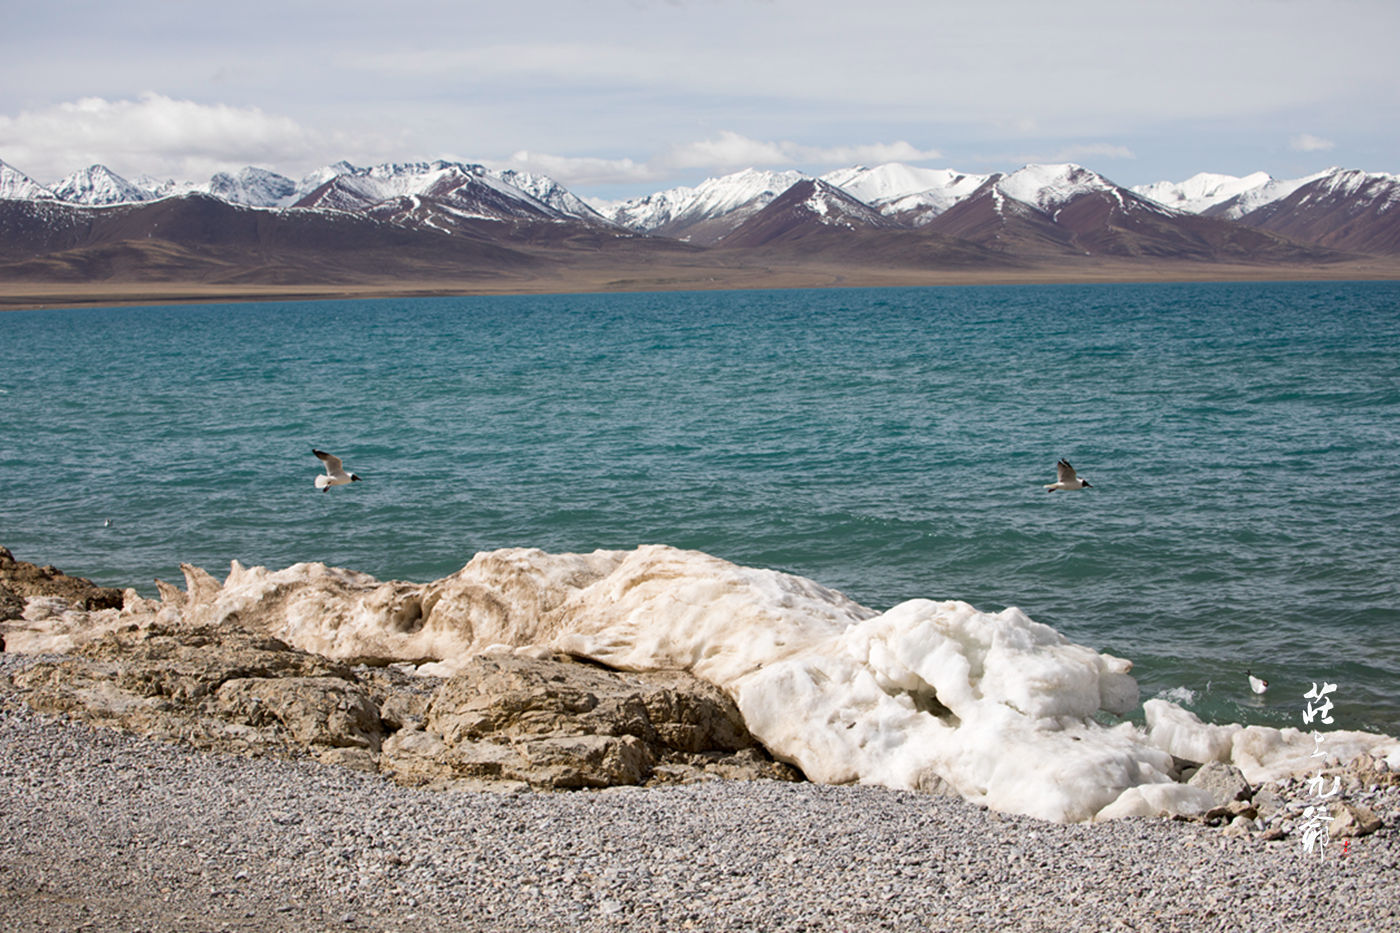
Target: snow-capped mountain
1202,191
1068,210
440,219
810,206
1048,188
168,187
911,195
1341,209
472,190
1224,196
705,213
254,187
464,191
1046,206
313,180
552,194
18,186
97,184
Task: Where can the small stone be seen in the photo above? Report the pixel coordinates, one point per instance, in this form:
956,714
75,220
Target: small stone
1352,820
1267,801
1242,808
1239,826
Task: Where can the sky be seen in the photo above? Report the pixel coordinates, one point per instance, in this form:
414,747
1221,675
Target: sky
620,98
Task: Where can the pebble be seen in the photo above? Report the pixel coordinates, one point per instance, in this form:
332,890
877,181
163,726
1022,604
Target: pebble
365,853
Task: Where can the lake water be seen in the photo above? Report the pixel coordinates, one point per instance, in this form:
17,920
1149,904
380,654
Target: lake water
1243,441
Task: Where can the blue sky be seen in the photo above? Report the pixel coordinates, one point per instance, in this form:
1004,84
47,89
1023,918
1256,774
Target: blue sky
616,98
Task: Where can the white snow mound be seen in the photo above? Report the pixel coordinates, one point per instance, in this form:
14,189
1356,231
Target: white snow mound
932,696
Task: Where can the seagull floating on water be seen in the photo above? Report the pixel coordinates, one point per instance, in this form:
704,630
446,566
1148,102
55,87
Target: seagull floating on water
1067,478
335,472
1257,684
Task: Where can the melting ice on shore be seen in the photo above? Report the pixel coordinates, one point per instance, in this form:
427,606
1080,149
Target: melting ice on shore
934,696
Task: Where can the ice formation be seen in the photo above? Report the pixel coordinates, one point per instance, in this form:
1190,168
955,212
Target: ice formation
932,696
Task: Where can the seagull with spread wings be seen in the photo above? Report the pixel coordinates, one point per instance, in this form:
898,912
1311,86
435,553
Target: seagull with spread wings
335,472
1068,479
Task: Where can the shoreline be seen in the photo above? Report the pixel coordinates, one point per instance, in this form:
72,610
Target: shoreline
118,831
36,295
114,829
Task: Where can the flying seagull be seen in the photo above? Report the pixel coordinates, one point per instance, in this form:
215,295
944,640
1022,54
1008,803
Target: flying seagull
1257,684
335,472
1067,479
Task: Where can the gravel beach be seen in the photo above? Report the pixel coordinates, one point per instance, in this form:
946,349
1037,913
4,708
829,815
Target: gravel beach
101,830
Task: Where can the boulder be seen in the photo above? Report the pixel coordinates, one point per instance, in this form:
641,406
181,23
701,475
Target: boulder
557,723
502,722
1225,783
20,580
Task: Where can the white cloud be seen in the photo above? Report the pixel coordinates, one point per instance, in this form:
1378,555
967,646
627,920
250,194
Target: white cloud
732,150
571,170
156,135
728,151
1306,142
1092,151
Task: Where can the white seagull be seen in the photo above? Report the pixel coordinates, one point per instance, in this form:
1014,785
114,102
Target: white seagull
1257,684
1067,479
335,472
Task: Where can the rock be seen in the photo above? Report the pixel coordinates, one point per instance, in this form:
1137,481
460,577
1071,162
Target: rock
1267,801
555,723
1225,783
20,580
1239,826
324,711
1242,808
229,690
1352,820
504,722
11,605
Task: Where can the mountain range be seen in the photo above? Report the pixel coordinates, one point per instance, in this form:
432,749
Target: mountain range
442,221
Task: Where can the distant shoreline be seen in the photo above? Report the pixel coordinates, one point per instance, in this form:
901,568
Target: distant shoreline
20,296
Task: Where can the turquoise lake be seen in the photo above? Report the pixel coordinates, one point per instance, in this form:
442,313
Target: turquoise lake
1243,441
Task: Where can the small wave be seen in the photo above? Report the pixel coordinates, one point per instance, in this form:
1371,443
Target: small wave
1181,696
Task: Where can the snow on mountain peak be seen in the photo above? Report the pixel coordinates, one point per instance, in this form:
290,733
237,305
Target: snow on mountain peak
551,194
750,189
1201,191
835,206
894,180
1048,187
1354,181
15,184
255,187
912,195
1225,195
98,185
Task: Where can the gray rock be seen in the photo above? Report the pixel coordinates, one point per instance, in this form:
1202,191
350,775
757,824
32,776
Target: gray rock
1223,782
1268,801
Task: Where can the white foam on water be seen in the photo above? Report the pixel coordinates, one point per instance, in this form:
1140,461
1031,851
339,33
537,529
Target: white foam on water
1178,695
930,695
